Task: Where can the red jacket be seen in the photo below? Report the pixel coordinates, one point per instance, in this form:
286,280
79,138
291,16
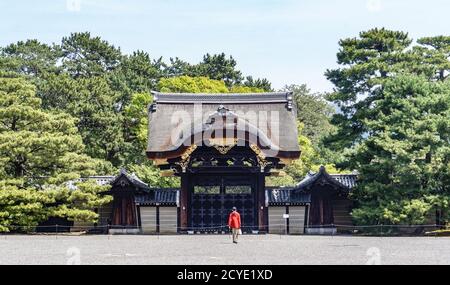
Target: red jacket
234,220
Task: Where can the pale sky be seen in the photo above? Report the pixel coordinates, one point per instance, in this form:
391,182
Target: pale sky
286,41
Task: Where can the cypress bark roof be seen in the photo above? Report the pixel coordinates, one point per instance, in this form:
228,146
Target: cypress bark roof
161,196
223,98
114,181
280,131
301,193
342,181
286,195
131,178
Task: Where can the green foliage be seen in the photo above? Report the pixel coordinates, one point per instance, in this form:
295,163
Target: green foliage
259,83
186,84
151,174
219,67
29,58
283,180
78,204
313,111
245,89
364,63
136,73
433,54
136,120
216,67
392,123
84,55
36,145
94,104
407,211
313,115
406,157
310,160
22,209
40,151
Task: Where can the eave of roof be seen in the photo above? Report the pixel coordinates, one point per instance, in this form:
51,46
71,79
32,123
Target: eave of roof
240,107
286,196
134,180
158,196
225,98
336,180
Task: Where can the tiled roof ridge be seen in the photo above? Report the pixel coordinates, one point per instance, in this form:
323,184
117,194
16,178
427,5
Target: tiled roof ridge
267,97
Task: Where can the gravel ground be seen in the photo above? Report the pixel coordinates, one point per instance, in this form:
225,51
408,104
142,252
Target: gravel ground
218,249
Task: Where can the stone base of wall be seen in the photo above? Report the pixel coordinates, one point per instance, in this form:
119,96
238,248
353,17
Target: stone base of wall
320,231
124,231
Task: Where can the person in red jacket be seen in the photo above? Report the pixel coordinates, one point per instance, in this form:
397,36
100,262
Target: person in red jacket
234,223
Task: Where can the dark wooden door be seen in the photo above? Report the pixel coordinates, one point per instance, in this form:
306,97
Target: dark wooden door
124,211
321,211
213,197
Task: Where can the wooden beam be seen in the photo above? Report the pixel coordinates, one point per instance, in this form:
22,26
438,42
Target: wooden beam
184,202
261,207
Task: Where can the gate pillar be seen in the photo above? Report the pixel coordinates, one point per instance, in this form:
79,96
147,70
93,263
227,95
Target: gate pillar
184,202
261,203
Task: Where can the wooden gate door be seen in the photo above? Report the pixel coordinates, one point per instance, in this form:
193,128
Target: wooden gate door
213,197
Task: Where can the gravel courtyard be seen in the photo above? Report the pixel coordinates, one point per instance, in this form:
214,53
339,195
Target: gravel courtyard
218,249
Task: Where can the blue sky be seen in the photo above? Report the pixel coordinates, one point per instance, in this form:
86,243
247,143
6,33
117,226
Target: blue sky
285,41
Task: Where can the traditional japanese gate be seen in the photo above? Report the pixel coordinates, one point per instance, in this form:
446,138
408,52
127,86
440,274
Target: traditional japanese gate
222,146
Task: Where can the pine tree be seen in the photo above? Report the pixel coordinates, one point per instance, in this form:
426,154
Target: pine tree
404,163
393,124
40,151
